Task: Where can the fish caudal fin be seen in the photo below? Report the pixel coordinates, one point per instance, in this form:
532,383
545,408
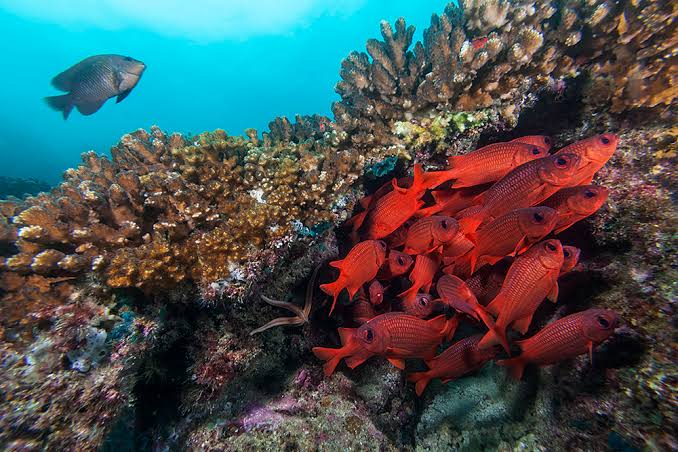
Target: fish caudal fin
496,335
330,355
332,289
62,103
421,380
516,366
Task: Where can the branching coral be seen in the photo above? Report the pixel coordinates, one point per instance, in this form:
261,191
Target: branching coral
166,209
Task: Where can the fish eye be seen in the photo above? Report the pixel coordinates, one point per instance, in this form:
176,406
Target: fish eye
604,140
603,322
423,301
566,253
535,151
589,194
368,335
551,247
401,261
444,224
561,161
128,58
538,217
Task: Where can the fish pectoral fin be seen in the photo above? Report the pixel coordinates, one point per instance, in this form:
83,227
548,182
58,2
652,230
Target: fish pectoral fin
336,264
88,108
123,95
522,325
399,363
553,294
396,351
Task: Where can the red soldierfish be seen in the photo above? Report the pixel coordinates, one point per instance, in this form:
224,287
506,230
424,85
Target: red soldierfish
532,277
397,336
571,258
487,164
525,186
359,266
368,202
376,292
352,352
422,306
429,234
566,338
421,276
396,207
486,283
361,309
457,360
450,202
455,293
576,203
543,141
593,153
396,264
509,235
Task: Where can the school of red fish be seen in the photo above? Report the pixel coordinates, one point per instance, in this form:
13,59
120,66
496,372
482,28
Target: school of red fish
474,242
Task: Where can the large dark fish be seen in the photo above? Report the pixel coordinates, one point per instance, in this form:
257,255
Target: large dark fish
93,81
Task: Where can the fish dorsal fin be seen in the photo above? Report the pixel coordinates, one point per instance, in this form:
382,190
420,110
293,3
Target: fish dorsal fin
336,264
88,108
64,80
399,363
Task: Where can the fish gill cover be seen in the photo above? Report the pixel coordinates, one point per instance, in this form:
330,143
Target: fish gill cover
129,290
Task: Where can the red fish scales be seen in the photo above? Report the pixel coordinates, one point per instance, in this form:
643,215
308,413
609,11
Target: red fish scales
411,333
392,210
425,268
576,203
460,358
525,287
499,237
559,340
594,152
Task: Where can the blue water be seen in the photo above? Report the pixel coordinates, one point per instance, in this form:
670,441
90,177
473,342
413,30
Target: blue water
197,78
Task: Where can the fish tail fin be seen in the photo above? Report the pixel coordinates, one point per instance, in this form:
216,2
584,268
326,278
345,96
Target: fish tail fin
420,380
485,317
332,289
331,356
515,366
496,335
63,103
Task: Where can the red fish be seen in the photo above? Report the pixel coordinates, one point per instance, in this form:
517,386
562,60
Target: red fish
368,202
397,238
486,283
359,266
422,306
361,309
450,202
456,294
487,164
456,248
352,352
566,338
479,43
571,258
537,140
508,235
376,292
421,276
429,234
397,336
525,186
576,203
459,359
532,277
396,207
398,263
593,153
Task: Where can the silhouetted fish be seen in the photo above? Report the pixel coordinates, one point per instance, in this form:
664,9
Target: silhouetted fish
93,81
